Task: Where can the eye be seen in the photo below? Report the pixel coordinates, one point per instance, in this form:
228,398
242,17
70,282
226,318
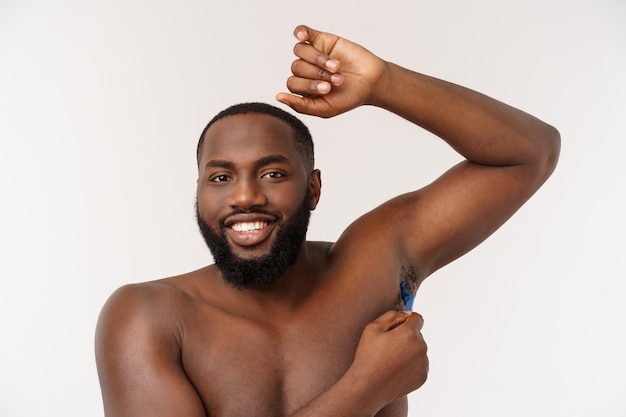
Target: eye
273,175
219,178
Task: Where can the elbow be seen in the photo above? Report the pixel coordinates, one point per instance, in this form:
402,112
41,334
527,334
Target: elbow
551,149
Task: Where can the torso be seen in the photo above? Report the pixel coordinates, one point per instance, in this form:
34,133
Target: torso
273,364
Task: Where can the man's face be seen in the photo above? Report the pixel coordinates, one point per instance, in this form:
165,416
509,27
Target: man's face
254,198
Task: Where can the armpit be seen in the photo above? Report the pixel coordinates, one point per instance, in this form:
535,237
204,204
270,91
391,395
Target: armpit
409,281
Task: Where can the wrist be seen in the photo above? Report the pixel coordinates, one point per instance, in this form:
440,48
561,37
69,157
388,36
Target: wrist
364,396
383,87
347,398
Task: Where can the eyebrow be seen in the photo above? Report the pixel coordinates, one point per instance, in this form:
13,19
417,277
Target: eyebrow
266,160
272,159
217,163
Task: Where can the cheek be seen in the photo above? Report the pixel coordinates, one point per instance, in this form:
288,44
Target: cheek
289,199
210,205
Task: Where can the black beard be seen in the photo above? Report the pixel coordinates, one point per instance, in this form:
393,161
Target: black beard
261,272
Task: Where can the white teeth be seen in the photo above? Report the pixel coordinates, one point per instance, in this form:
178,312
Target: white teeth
248,227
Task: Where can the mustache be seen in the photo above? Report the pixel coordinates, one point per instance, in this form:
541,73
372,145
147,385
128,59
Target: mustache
253,210
277,216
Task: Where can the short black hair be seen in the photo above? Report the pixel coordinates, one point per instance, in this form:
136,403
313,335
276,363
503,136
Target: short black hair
301,134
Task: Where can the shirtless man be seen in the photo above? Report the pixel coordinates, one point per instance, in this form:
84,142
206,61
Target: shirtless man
268,330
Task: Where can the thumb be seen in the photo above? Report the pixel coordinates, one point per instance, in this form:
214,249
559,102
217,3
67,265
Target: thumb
391,319
291,100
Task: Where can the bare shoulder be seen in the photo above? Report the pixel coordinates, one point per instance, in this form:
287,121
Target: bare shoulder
152,306
136,315
138,348
148,301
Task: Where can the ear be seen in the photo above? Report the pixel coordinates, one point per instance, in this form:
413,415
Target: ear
315,187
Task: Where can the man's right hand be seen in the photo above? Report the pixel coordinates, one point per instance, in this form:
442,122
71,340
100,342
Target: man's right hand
390,360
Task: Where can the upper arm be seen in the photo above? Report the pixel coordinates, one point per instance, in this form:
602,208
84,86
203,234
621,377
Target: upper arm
433,226
461,209
138,359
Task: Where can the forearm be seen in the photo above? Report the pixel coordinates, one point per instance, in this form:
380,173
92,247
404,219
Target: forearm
483,130
346,398
390,362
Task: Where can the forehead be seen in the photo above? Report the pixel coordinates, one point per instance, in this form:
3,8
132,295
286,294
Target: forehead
250,135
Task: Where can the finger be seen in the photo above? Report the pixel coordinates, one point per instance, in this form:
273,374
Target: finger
304,105
415,320
322,41
314,56
391,319
303,69
306,86
306,34
289,99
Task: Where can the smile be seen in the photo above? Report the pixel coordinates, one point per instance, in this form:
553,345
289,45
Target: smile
249,233
249,226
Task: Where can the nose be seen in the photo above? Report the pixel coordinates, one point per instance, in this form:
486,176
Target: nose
246,193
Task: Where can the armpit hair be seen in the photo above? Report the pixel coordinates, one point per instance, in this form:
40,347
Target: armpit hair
411,276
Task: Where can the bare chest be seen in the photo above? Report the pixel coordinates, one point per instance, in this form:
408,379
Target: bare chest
243,367
246,368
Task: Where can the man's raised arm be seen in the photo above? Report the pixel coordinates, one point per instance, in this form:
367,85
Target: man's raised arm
509,153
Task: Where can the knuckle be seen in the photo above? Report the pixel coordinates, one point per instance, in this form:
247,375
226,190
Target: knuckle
370,327
296,65
423,378
408,337
321,59
390,315
291,84
418,320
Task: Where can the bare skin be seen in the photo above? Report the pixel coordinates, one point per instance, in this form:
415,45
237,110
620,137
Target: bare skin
324,339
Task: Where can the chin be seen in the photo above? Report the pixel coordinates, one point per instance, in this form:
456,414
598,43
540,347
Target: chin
252,254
